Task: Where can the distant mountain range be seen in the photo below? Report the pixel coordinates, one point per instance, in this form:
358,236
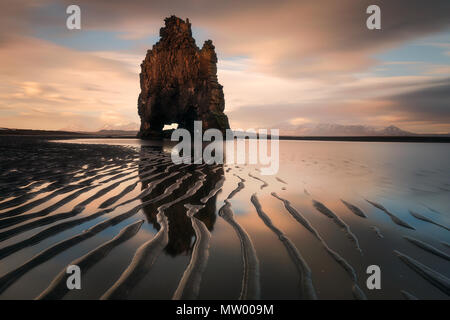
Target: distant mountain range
130,128
303,130
338,130
286,130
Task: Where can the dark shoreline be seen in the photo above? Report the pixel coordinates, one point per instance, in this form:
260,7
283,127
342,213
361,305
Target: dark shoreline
430,139
416,139
50,135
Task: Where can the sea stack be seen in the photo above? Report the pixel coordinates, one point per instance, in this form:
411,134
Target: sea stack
179,83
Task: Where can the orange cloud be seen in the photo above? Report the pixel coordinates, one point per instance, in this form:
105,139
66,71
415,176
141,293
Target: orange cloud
304,60
86,87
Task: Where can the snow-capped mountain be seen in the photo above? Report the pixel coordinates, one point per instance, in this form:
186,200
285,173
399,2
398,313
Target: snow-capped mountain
327,129
131,126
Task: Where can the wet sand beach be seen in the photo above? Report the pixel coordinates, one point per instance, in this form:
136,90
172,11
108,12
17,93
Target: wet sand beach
141,227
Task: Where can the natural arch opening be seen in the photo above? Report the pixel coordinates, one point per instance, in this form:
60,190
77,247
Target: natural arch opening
171,126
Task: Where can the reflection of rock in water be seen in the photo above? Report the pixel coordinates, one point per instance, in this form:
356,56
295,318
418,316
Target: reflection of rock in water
181,233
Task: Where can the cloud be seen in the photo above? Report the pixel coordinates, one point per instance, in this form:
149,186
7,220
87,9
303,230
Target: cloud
311,61
432,103
420,106
57,79
288,38
439,69
52,120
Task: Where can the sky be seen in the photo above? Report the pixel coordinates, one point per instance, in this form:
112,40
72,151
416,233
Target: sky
282,63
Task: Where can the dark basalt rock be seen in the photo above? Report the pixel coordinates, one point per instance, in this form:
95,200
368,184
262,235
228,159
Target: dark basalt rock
179,83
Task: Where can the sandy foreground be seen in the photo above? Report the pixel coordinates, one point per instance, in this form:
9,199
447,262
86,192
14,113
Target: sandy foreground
142,227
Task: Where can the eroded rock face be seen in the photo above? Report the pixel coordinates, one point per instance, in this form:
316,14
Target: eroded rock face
179,83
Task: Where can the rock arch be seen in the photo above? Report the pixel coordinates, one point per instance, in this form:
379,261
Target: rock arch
179,83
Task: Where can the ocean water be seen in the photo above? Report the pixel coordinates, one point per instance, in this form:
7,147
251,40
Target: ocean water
141,227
